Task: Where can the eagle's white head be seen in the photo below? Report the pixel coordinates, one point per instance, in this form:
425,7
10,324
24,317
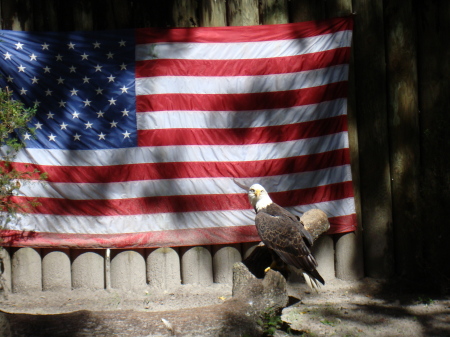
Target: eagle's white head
258,197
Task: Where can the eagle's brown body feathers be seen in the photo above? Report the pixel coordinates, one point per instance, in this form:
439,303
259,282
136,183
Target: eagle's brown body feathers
284,233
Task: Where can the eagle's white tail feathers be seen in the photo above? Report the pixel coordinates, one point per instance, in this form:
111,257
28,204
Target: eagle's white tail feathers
312,282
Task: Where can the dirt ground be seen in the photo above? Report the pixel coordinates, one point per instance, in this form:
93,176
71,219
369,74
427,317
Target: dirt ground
364,308
370,308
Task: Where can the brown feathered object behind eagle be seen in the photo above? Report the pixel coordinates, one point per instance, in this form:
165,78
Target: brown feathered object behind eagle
284,234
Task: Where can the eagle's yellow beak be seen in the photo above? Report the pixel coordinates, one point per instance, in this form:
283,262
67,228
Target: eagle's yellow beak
257,193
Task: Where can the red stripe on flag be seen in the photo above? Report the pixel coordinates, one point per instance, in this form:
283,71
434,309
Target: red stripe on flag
153,171
242,136
154,239
184,203
246,34
342,224
239,102
244,67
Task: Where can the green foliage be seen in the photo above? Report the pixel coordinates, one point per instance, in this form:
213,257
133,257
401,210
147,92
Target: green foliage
270,322
327,322
14,118
425,301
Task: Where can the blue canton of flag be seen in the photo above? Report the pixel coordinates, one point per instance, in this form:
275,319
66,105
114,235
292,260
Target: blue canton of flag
81,83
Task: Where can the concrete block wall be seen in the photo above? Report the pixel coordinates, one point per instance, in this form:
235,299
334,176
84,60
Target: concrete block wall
88,268
56,273
26,270
31,270
163,268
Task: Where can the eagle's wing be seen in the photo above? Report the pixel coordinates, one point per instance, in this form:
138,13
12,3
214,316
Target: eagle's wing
305,234
284,236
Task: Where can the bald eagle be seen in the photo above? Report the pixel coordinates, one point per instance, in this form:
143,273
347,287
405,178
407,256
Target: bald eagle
284,234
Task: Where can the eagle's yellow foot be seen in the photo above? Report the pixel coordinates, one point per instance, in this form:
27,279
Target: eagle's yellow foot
267,269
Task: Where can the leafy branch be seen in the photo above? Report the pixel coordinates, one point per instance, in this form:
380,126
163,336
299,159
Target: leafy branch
14,118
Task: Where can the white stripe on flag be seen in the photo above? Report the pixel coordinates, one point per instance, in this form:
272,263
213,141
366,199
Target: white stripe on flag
240,119
242,50
179,154
197,186
159,221
240,84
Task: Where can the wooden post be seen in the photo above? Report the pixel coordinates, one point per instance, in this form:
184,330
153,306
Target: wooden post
404,134
184,13
116,14
434,88
242,12
83,15
45,14
371,109
349,257
305,10
17,15
274,11
108,269
213,13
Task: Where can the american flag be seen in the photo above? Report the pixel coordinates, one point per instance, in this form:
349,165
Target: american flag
143,131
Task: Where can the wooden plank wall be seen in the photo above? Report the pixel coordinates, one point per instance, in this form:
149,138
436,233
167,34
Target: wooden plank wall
399,85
